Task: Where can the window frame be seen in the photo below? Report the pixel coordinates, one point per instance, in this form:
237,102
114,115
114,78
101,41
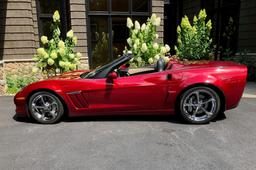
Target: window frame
64,17
109,14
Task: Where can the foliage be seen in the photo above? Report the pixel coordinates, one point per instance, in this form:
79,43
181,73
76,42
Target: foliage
194,41
57,55
243,58
101,48
15,83
141,42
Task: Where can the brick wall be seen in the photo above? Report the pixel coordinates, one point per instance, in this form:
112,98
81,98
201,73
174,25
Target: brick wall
18,33
158,9
2,83
78,25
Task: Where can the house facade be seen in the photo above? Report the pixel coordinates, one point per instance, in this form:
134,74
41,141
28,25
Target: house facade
103,23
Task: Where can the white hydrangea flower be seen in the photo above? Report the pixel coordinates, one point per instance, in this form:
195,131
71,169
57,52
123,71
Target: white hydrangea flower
70,34
71,56
44,40
50,61
137,25
139,59
150,61
157,57
166,59
143,27
155,46
129,23
79,55
56,16
144,48
61,44
34,70
157,21
156,36
74,40
53,55
129,41
163,50
137,41
167,47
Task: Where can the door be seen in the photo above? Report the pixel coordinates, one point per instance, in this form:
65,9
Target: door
140,92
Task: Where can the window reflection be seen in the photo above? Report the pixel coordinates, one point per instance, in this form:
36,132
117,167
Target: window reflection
98,5
140,6
49,7
103,45
99,40
118,5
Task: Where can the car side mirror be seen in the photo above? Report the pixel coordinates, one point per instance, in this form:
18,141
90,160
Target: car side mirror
112,75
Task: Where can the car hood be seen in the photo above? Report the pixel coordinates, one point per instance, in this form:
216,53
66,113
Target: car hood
70,75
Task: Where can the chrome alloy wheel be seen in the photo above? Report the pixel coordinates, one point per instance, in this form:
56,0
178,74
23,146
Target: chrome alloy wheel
200,105
45,107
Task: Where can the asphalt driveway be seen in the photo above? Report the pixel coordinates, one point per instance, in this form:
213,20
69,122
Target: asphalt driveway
129,143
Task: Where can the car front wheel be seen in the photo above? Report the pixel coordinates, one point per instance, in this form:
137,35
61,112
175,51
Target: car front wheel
199,105
45,107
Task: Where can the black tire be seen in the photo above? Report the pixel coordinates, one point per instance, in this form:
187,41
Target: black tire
202,101
45,107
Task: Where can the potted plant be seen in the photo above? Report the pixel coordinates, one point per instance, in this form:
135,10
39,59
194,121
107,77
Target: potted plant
57,55
142,42
194,41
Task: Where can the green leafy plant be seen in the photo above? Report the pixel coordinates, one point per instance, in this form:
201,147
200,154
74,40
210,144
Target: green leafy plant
141,42
15,83
57,55
194,42
243,58
100,51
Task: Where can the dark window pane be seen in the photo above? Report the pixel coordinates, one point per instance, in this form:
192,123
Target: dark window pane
99,40
140,6
140,19
98,5
48,7
118,5
46,27
120,34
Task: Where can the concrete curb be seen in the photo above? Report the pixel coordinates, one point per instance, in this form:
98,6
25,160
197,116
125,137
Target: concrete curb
250,96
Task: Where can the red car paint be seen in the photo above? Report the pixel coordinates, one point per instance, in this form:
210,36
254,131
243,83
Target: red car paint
150,93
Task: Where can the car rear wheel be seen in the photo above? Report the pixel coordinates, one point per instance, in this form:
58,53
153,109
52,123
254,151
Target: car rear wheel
199,105
45,107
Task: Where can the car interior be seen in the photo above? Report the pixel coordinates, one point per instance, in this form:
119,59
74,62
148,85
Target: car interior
124,70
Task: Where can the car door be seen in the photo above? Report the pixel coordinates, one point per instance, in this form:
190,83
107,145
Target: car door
138,92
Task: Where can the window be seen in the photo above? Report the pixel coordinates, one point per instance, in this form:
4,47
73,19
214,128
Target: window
45,10
107,32
221,12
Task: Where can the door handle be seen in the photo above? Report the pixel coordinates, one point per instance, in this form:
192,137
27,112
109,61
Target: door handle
169,77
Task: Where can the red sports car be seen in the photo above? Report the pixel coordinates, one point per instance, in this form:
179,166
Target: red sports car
196,91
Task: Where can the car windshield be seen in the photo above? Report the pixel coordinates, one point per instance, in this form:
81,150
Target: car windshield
91,74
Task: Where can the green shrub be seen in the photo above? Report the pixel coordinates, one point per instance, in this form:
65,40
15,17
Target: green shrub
243,58
15,83
57,55
141,42
194,41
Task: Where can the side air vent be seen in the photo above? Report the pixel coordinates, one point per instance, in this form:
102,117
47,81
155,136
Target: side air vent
78,100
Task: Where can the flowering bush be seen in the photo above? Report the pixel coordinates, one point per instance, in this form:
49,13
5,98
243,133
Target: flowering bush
141,42
194,41
57,55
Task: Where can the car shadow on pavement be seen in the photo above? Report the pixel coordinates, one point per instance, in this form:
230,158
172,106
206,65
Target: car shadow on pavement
177,119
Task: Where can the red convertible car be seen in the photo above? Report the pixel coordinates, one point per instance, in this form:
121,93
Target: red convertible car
196,91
